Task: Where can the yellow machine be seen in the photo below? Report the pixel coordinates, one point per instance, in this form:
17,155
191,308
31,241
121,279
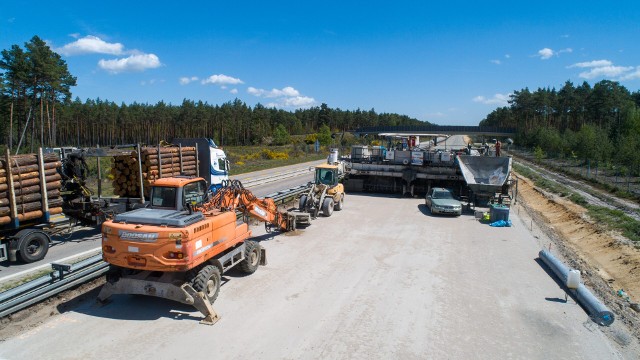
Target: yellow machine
326,194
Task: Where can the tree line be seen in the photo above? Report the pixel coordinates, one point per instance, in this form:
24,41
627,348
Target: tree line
599,123
36,109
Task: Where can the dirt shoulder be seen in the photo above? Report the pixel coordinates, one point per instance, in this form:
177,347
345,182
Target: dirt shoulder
607,262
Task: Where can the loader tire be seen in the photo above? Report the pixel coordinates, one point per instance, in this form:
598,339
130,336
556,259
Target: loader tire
340,204
302,204
327,207
251,257
208,281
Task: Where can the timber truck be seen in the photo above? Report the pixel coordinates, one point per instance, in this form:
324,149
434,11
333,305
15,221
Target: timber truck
42,194
179,246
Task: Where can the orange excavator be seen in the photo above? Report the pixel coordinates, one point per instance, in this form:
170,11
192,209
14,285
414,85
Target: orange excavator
178,246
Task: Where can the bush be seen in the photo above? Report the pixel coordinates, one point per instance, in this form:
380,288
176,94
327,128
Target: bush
271,155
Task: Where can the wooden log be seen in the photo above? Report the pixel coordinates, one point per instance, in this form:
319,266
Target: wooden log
166,150
30,182
29,207
30,215
169,154
29,159
28,175
30,189
170,160
30,168
30,197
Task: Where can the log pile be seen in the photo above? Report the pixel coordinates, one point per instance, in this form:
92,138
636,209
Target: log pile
27,186
124,170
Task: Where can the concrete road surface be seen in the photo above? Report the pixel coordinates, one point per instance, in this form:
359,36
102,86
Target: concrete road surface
382,279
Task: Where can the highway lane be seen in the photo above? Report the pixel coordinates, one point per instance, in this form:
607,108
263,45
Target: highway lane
86,241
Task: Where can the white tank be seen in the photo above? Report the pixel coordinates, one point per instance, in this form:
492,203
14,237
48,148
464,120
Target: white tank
333,156
573,279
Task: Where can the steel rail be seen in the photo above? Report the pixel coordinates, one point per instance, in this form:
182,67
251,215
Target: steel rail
65,276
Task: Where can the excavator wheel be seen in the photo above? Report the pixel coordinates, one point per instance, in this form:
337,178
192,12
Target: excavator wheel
340,204
208,281
327,207
251,257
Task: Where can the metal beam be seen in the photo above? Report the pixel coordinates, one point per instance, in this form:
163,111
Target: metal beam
434,130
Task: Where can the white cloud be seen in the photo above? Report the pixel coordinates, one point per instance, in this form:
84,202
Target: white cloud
497,62
222,80
233,91
274,93
606,69
591,64
507,56
139,62
287,97
91,45
545,53
185,80
497,99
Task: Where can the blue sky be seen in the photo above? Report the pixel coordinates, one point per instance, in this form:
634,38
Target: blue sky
449,63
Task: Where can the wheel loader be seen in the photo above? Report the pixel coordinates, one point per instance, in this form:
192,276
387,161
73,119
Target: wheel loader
326,193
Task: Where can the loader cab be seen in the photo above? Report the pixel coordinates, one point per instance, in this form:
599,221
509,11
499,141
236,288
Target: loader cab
327,175
176,193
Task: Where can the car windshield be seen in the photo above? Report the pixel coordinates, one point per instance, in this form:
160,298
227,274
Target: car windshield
442,195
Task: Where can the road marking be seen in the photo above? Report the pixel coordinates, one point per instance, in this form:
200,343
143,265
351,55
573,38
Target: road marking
40,267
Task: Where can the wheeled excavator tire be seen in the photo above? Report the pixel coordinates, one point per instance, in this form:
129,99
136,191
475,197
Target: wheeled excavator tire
251,257
327,207
208,281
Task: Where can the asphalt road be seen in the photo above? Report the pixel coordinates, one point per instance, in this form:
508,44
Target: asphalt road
83,242
382,279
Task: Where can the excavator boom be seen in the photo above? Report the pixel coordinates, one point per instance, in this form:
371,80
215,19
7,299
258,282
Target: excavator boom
233,196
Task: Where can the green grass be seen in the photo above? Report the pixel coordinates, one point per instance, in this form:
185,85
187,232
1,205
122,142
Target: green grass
246,159
616,220
12,284
610,219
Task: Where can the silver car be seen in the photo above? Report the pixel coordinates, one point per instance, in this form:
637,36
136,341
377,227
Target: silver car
441,201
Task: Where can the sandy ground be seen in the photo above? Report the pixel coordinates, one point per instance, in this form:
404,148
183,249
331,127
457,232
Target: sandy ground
381,279
607,262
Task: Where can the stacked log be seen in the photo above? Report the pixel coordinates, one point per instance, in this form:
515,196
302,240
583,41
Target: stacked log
27,186
125,169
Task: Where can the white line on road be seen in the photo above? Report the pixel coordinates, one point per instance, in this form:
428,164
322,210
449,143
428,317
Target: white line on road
40,267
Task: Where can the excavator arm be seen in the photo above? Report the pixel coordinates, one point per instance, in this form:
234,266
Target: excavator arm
233,196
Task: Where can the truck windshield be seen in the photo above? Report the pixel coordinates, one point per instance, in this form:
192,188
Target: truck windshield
163,197
222,162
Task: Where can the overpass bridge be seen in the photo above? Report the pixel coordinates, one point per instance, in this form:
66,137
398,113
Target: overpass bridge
434,130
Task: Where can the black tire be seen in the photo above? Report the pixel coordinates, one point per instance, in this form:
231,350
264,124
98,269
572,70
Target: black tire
302,204
340,204
32,246
327,207
208,281
252,255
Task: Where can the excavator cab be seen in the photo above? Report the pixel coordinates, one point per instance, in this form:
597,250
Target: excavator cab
178,193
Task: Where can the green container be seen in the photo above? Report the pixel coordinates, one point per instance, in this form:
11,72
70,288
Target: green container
499,212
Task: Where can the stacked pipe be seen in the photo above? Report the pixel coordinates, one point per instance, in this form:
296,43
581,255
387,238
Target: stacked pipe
24,171
156,163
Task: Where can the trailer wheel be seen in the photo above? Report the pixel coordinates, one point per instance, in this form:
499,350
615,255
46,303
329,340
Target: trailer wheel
208,281
340,204
251,257
327,207
32,245
302,204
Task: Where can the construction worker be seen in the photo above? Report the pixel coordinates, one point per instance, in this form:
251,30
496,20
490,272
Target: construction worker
498,146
